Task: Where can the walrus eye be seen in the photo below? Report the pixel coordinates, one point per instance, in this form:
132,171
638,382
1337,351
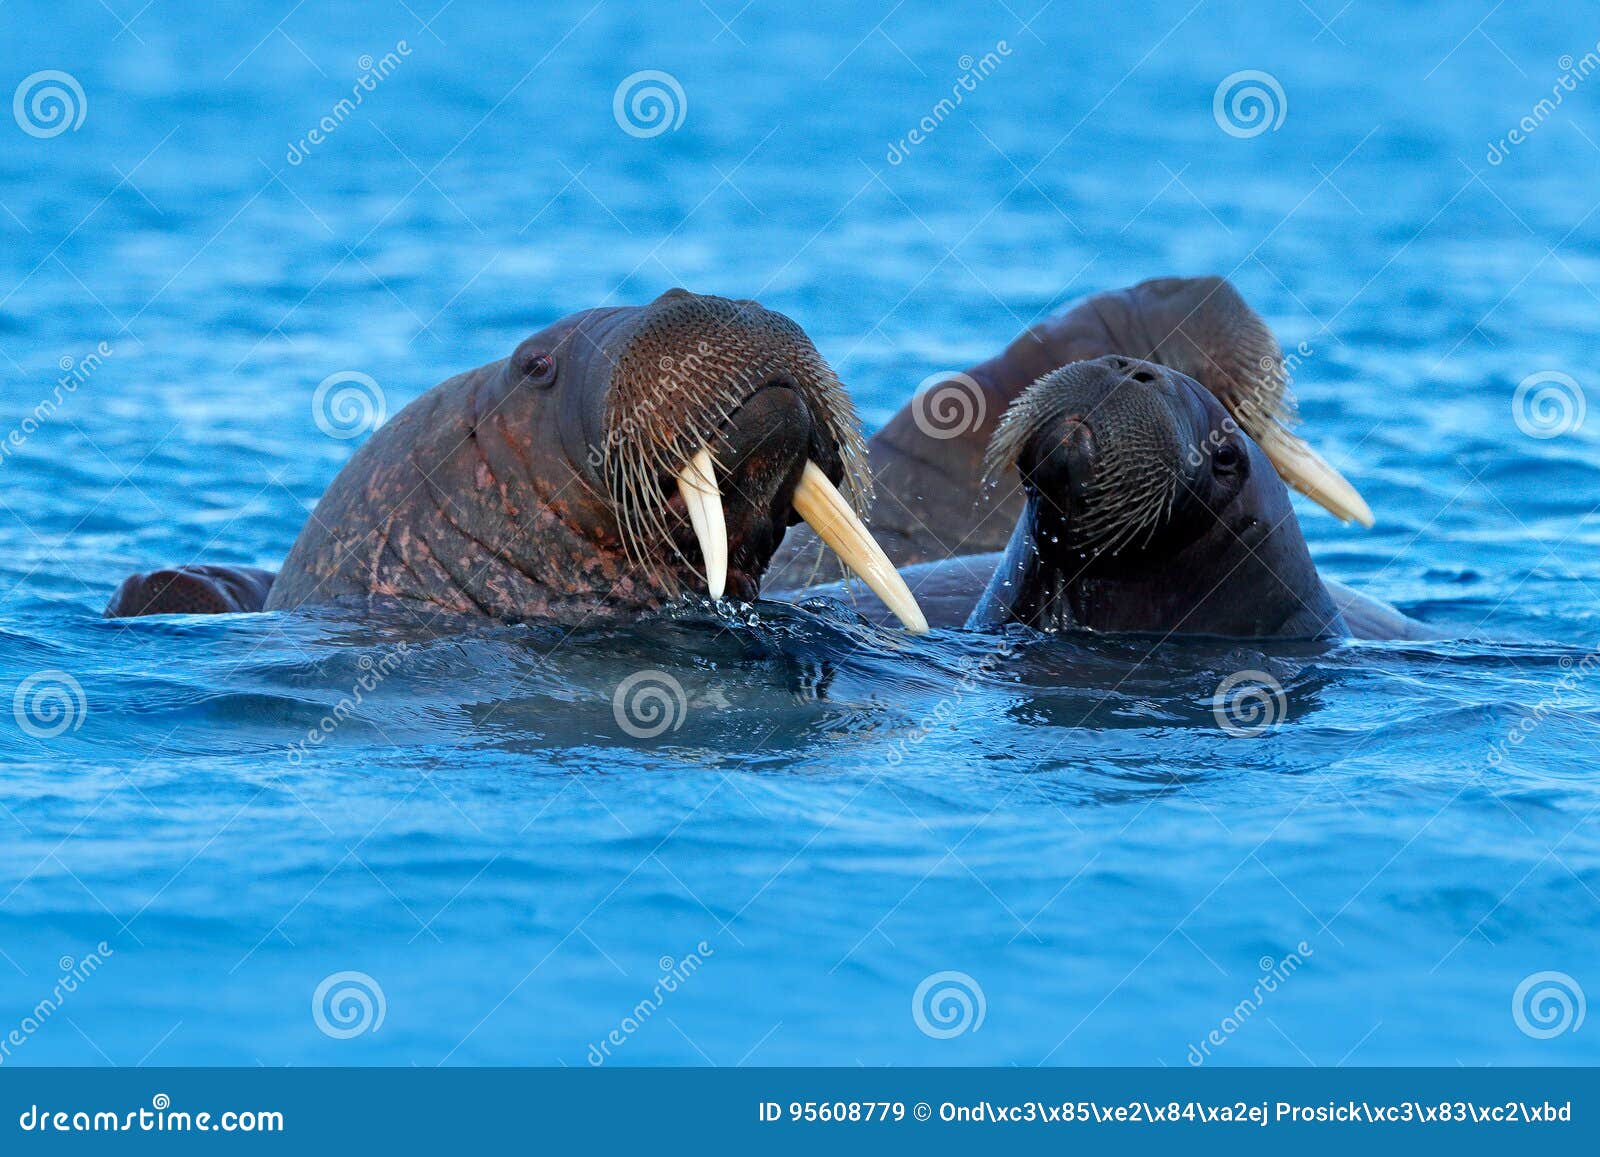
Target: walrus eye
1227,457
534,365
539,370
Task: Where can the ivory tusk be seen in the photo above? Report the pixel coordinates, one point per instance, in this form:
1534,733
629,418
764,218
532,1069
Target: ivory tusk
698,485
825,510
1309,473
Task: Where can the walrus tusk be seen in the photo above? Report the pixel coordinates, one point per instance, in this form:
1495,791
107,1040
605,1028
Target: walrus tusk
698,485
825,510
1309,473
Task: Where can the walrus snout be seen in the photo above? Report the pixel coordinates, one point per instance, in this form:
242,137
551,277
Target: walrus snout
1061,467
761,453
191,590
719,411
1100,444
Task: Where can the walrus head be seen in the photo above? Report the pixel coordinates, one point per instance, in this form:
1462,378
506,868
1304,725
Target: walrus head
616,460
1202,328
1147,509
700,429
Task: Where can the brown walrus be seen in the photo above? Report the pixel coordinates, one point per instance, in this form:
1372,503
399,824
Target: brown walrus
616,460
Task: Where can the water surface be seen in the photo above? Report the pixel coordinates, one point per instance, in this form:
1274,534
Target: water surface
841,813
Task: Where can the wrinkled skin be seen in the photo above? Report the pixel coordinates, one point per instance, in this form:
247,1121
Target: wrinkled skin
542,485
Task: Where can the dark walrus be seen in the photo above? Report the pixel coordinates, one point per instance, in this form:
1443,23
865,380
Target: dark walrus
615,460
1147,494
1147,509
929,496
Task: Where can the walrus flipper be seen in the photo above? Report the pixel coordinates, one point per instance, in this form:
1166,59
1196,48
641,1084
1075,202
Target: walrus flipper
1370,618
192,590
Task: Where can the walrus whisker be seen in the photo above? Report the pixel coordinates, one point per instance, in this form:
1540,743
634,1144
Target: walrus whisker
692,366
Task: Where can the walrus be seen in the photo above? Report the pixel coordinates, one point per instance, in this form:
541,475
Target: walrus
930,500
1146,509
1123,492
615,461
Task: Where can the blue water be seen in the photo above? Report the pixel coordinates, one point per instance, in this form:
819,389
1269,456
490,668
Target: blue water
840,815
